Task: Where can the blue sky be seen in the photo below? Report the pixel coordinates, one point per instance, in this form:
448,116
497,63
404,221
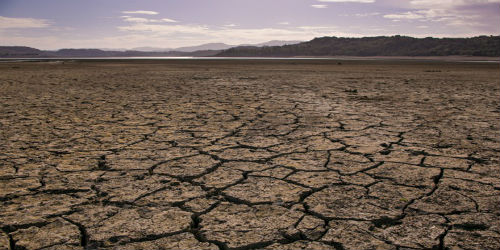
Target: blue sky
54,24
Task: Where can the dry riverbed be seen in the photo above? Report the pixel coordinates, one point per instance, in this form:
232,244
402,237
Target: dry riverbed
242,154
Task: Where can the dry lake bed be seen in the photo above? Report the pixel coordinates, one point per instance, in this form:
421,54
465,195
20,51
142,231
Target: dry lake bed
249,154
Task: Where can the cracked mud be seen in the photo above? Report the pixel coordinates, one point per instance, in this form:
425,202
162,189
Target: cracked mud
240,154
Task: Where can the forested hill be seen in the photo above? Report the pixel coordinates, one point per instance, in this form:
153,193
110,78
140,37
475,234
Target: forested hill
378,46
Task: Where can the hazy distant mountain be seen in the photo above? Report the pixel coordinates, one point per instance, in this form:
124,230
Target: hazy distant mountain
276,43
83,53
27,52
377,46
112,49
208,46
223,46
213,46
22,51
152,49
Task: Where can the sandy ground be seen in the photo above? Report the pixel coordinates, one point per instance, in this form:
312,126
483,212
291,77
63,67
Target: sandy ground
249,154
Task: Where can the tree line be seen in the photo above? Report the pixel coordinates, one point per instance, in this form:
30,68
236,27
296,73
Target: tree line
378,46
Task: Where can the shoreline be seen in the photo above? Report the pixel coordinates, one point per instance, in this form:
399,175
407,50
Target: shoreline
472,59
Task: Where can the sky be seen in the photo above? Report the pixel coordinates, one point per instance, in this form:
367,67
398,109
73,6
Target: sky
125,24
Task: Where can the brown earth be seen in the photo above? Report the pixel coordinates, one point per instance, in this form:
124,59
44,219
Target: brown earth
239,154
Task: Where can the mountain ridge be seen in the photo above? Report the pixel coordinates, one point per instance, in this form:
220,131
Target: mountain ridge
27,52
376,46
321,46
214,46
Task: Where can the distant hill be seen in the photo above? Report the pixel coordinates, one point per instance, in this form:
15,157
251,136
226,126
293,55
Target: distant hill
323,46
27,52
214,46
22,51
208,49
275,43
207,46
150,49
377,46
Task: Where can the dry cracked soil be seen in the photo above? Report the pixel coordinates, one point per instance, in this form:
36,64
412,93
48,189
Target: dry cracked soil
249,154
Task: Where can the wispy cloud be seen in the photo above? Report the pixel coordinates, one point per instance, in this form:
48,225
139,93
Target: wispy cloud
361,14
316,28
22,23
135,19
168,20
143,12
367,14
324,6
459,13
449,3
146,20
405,15
347,1
166,29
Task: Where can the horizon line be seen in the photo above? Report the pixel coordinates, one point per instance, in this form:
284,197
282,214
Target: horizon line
254,44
